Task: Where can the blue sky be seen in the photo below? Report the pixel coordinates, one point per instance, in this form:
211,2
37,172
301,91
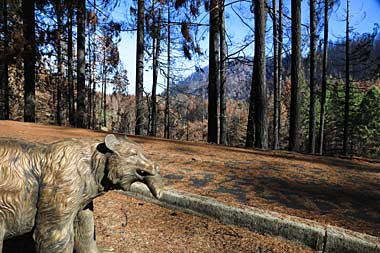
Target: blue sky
364,14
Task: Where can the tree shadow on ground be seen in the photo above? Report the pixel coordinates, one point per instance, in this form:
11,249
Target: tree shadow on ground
359,205
326,192
343,163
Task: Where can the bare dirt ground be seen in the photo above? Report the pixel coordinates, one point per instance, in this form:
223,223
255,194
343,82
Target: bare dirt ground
340,192
335,191
131,225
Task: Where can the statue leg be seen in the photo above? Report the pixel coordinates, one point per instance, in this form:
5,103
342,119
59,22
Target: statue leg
2,232
84,233
54,235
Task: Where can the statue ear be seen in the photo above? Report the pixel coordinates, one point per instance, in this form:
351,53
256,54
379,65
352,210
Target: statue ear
110,141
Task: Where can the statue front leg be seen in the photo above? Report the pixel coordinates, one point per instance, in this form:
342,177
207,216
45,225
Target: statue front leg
84,233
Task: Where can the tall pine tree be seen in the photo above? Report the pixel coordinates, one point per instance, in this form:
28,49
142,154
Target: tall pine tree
295,103
313,41
29,56
324,77
259,80
140,68
212,135
81,65
347,87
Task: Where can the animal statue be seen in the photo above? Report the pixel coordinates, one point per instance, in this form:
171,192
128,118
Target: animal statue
46,188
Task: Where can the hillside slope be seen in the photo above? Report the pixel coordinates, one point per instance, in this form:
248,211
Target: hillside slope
329,190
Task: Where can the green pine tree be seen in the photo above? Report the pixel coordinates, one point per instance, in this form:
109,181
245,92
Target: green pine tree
368,127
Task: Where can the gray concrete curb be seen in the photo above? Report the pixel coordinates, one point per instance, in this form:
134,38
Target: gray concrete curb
301,231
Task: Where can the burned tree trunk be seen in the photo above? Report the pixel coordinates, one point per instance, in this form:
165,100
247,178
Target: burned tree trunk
81,92
94,68
70,97
324,77
276,105
347,86
29,57
140,68
261,121
313,40
167,102
279,77
156,53
295,104
258,99
212,133
223,77
4,80
60,85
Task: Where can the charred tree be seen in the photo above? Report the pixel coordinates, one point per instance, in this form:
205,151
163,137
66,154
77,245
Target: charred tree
81,91
94,22
212,133
70,75
257,103
260,86
295,104
347,85
167,99
223,77
140,68
29,57
313,41
324,77
279,72
104,87
60,84
90,79
156,53
276,83
4,80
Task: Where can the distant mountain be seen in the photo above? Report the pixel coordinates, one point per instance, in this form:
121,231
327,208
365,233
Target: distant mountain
365,58
239,78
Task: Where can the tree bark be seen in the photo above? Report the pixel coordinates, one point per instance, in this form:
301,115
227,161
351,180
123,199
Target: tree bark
167,102
156,54
347,86
90,78
4,80
140,69
212,133
276,105
70,78
279,78
94,68
104,87
295,104
250,135
29,60
60,84
313,40
81,92
223,77
260,99
324,77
